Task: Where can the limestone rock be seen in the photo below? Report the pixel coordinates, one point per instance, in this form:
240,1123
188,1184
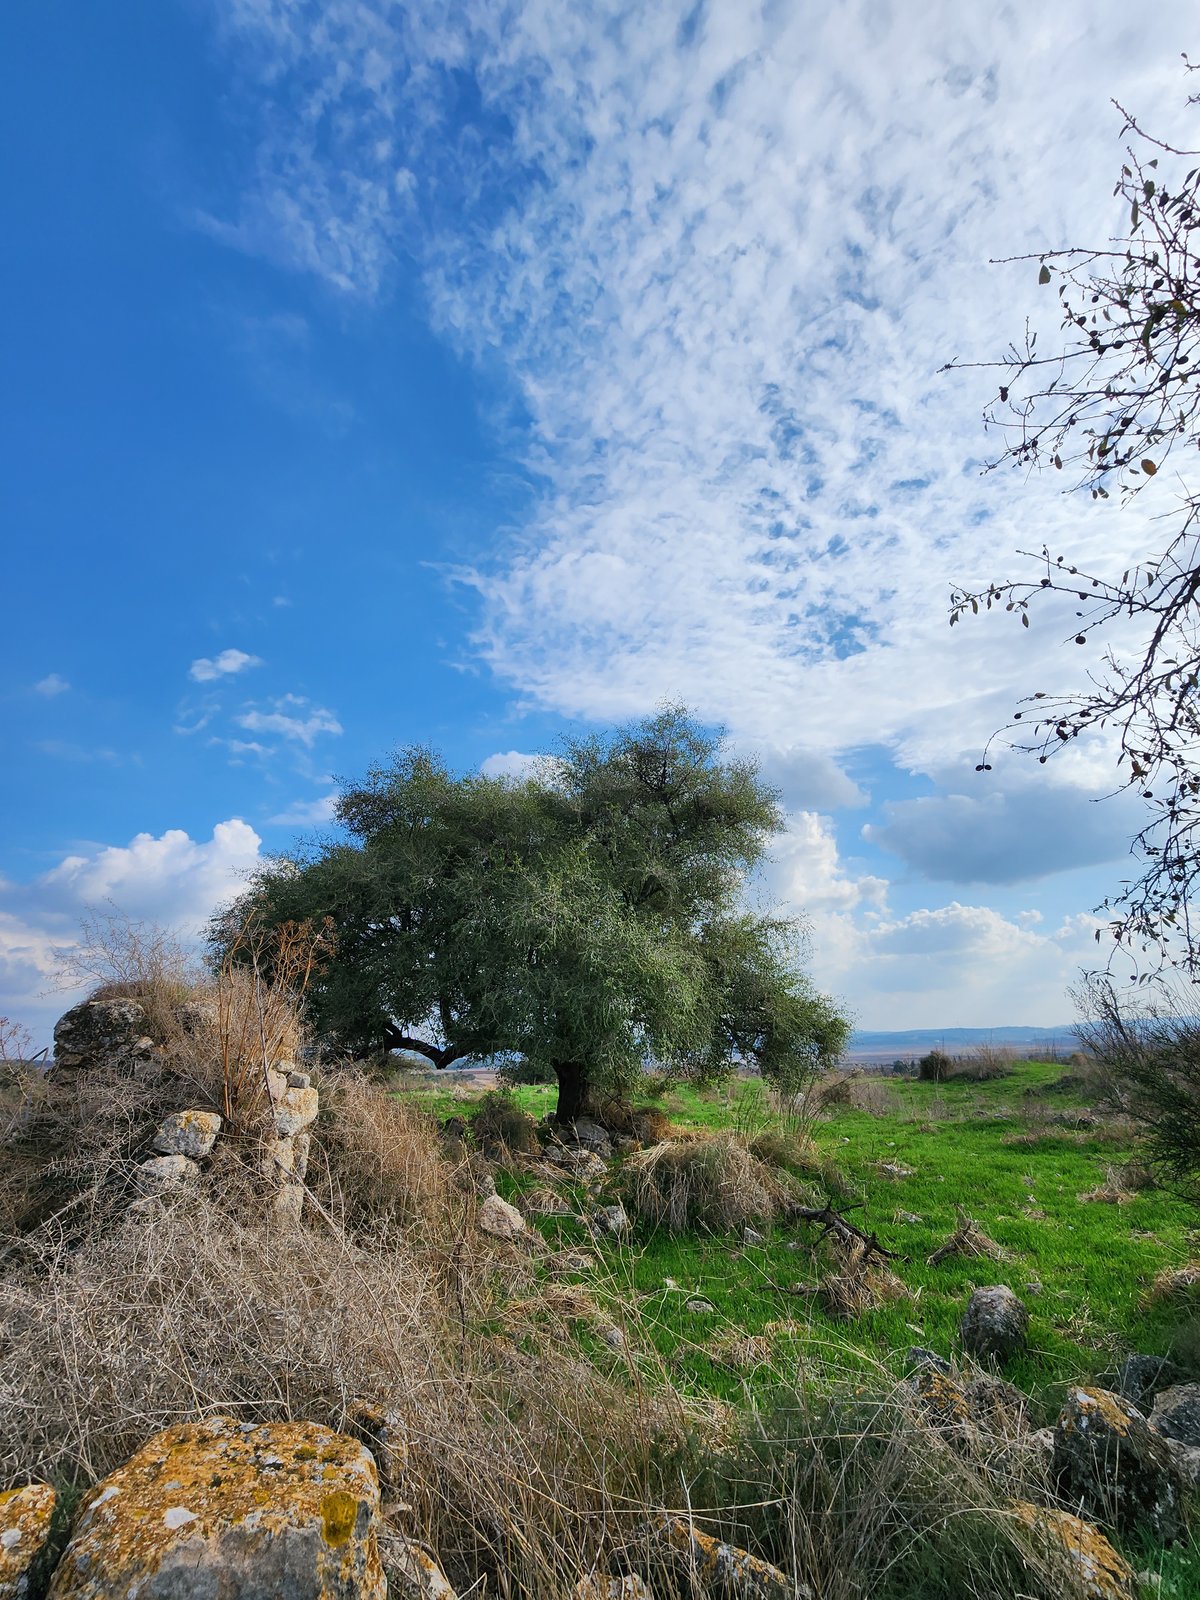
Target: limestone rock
161,1174
1176,1413
719,1568
919,1357
1139,1378
188,1133
415,1575
294,1104
995,1324
613,1220
25,1518
1109,1461
604,1586
499,1219
232,1511
1105,1574
286,1158
101,1031
585,1166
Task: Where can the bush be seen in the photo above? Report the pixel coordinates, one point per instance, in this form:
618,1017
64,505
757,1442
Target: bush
501,1128
985,1064
705,1182
934,1067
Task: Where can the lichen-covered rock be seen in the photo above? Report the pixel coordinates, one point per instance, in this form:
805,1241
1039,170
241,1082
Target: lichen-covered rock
162,1174
188,1133
294,1102
1176,1413
498,1218
941,1400
718,1568
100,1031
606,1586
1110,1462
414,1575
25,1518
919,1357
613,1220
995,1324
232,1511
1102,1572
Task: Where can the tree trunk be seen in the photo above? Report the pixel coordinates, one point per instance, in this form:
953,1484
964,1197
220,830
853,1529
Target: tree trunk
572,1090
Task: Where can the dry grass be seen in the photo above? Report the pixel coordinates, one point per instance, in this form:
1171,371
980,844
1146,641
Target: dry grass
857,1282
968,1240
714,1182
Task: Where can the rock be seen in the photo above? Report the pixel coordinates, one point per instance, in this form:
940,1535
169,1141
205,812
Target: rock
1139,1378
995,1324
485,1186
161,1174
585,1166
25,1518
918,1357
102,1031
1176,1413
228,1509
499,1219
752,1236
1039,1446
613,1220
603,1586
572,1261
716,1567
385,1434
699,1306
590,1134
996,1407
293,1107
1187,1462
941,1400
1109,1461
608,1333
187,1133
1103,1573
542,1201
286,1158
414,1574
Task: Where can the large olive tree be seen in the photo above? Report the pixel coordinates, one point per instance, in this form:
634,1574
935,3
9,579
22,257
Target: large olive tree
589,918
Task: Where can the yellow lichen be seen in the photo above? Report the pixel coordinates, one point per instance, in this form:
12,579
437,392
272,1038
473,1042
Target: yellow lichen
339,1511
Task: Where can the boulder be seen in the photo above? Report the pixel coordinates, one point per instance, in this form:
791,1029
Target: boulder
1139,1378
187,1133
1103,1573
25,1518
498,1218
1110,1462
231,1511
102,1031
1176,1413
717,1568
995,1324
162,1174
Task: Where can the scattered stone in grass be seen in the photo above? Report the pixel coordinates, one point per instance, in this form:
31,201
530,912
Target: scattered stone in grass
608,1333
995,1324
572,1261
712,1566
910,1217
1105,1575
1109,1461
744,1352
612,1220
894,1169
698,1306
1035,1286
919,1357
1176,1413
1139,1378
542,1201
602,1586
499,1219
752,1236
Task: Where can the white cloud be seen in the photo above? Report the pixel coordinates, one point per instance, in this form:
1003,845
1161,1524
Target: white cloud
170,879
293,717
518,766
51,685
205,668
306,813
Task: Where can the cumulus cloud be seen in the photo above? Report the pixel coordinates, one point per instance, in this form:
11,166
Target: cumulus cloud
518,766
1011,835
51,685
170,879
230,662
292,717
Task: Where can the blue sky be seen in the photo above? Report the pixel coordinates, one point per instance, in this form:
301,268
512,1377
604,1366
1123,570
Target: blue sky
468,374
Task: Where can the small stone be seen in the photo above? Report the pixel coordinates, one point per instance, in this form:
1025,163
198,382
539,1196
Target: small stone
995,1324
698,1306
161,1174
612,1336
414,1574
752,1236
25,1518
292,1110
613,1220
499,1219
187,1133
1176,1413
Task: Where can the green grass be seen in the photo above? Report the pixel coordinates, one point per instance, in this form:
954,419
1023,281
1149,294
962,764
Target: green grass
1093,1261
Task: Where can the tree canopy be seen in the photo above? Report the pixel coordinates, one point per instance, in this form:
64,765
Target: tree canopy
588,918
1109,403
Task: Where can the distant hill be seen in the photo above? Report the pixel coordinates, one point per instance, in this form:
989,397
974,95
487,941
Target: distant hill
916,1041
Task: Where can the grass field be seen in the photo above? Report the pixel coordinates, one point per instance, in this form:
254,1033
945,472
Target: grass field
1005,1151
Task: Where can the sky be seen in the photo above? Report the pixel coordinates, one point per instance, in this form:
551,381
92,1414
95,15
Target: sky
470,375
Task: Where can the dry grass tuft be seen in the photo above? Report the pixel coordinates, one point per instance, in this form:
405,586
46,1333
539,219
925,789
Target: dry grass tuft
968,1240
713,1182
857,1282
